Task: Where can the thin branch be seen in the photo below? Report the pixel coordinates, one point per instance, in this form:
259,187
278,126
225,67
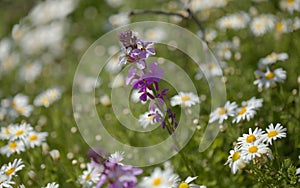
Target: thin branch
194,18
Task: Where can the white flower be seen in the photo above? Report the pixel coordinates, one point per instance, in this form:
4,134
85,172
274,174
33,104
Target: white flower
151,117
51,10
234,21
52,185
284,26
269,78
158,179
30,71
5,181
12,168
88,84
155,34
119,19
222,113
253,103
47,97
274,132
185,99
35,139
105,100
244,113
54,154
296,23
256,135
187,183
12,148
197,5
262,24
254,149
116,157
224,50
271,59
20,131
290,5
5,133
91,175
20,106
235,161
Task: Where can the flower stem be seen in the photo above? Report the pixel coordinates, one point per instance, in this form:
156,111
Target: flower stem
276,155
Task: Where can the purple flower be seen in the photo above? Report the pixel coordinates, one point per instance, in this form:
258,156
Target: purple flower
145,50
132,76
127,38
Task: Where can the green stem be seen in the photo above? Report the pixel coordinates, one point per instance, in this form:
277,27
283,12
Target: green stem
276,155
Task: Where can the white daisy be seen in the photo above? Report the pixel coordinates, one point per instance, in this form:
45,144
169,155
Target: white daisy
30,72
116,157
222,113
274,132
5,133
158,179
262,24
47,97
295,23
269,78
5,181
284,26
20,131
12,168
235,161
20,106
234,21
185,99
50,10
91,175
12,147
252,150
254,103
52,185
251,136
244,113
272,58
151,117
120,19
35,139
290,5
187,183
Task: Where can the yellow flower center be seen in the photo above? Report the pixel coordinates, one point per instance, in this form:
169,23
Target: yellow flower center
185,98
253,149
19,133
20,110
151,117
33,137
10,171
222,111
12,145
183,185
279,26
250,138
242,111
13,104
88,177
211,66
270,75
6,131
290,1
272,134
236,156
156,181
45,101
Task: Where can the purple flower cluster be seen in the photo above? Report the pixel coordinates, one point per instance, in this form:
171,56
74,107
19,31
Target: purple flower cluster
115,174
145,79
134,50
